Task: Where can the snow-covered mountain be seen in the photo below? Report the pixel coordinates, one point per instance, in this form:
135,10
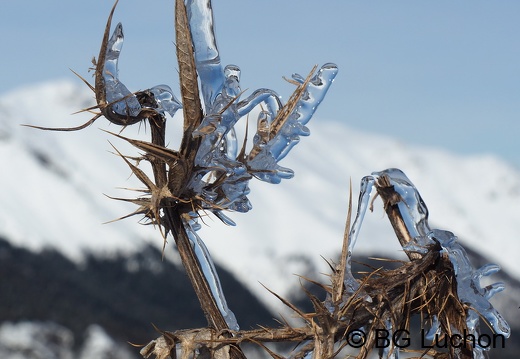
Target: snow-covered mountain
52,188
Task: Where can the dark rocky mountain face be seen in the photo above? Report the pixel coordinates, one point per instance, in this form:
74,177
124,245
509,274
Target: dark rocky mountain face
123,295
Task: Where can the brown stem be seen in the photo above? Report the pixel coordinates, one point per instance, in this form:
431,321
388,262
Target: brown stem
198,280
191,103
194,271
391,201
158,130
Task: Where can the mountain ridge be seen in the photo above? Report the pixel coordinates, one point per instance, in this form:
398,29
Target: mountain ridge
56,183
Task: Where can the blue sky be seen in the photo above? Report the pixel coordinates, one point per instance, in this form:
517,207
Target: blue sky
441,73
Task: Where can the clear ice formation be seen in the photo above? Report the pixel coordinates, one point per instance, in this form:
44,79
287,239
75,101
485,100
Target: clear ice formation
210,273
468,283
415,215
365,195
122,101
224,169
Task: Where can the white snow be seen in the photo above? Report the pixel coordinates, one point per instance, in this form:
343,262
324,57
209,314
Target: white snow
47,340
291,225
35,340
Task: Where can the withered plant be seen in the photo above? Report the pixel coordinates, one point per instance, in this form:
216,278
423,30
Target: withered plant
209,173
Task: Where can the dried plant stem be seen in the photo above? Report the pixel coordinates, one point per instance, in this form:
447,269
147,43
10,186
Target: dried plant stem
391,200
198,280
194,272
192,107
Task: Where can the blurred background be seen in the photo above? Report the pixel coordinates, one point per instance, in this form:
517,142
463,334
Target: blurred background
441,73
431,88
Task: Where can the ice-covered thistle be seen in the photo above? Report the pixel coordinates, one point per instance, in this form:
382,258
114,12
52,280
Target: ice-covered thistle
210,170
409,216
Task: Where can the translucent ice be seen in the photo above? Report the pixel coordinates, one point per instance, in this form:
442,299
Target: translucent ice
222,168
165,99
121,100
365,194
124,102
264,157
468,283
207,58
469,290
210,274
412,208
222,171
415,216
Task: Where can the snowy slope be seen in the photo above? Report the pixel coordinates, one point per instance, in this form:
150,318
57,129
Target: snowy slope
52,187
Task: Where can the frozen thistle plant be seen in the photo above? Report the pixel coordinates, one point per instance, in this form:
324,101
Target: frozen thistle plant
409,216
210,172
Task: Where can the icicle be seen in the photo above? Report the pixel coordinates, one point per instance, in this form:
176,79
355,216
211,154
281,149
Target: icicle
365,194
125,103
468,283
165,99
210,274
207,58
414,211
265,159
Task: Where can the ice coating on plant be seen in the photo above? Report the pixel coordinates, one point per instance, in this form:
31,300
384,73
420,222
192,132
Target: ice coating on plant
218,167
264,156
121,100
365,195
124,102
210,273
225,168
269,99
415,212
415,215
165,99
469,289
207,58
